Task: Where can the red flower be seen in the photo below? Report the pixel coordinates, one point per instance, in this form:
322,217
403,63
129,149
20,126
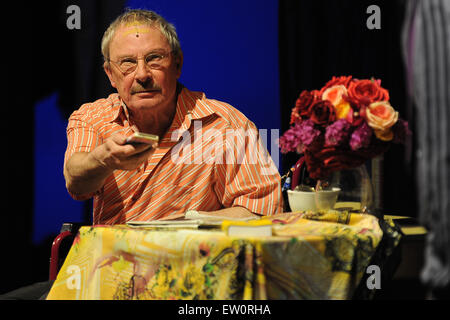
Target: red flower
302,105
322,112
335,81
365,92
355,118
295,117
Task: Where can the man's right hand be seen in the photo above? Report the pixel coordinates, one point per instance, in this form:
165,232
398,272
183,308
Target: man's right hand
85,172
115,153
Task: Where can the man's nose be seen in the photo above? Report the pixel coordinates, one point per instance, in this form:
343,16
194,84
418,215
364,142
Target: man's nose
142,72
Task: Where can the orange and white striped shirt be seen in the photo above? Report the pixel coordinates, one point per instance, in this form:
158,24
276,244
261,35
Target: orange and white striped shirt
210,158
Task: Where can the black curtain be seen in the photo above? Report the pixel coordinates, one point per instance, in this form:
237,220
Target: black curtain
324,38
41,56
71,59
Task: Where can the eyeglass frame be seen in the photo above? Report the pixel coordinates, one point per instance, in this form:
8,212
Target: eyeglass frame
163,56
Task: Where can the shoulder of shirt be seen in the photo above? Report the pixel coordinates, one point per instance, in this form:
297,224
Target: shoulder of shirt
105,109
235,118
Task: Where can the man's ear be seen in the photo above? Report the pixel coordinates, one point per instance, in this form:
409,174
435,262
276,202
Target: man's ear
107,68
179,64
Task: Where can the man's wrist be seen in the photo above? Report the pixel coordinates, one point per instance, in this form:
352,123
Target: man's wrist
97,161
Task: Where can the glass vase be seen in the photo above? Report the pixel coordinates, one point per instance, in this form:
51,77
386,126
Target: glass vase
356,190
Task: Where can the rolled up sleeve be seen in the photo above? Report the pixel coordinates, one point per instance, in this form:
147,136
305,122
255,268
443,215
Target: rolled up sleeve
81,137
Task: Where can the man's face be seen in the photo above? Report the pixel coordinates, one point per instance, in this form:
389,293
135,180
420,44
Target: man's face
146,87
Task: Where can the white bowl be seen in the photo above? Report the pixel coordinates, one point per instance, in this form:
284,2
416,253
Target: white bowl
312,201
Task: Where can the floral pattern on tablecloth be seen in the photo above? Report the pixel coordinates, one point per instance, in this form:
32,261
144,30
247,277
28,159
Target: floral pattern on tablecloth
310,256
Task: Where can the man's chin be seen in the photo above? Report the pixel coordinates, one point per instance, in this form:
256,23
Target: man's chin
144,101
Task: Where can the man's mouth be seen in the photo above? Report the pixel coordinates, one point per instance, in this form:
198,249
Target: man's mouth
146,91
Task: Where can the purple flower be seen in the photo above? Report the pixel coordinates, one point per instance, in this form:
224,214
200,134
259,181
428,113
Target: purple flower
401,131
290,139
303,133
337,133
307,132
361,137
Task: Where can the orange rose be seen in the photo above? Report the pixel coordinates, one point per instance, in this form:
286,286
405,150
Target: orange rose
381,117
366,91
336,95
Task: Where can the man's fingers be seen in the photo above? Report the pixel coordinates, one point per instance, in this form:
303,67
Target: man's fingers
119,138
133,161
125,149
140,147
142,155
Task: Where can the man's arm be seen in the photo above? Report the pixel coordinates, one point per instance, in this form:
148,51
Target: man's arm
85,172
233,212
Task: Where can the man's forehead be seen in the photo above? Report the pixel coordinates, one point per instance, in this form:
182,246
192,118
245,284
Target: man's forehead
134,27
131,33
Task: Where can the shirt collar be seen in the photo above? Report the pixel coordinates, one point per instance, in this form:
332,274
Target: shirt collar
193,103
118,107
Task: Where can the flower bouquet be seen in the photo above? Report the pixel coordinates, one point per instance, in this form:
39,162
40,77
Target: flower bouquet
341,126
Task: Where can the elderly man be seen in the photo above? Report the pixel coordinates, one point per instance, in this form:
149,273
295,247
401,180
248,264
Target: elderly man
143,61
209,156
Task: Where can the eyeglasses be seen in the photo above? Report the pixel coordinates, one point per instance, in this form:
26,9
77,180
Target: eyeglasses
153,60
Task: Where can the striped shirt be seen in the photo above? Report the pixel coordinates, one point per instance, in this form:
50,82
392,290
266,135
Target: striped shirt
210,158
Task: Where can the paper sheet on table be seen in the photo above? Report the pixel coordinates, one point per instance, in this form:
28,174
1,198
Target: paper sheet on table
191,219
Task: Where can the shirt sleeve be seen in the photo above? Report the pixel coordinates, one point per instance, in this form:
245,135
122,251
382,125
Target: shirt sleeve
81,137
250,177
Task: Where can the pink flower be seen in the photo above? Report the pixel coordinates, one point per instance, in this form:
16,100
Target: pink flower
337,133
361,137
307,132
289,141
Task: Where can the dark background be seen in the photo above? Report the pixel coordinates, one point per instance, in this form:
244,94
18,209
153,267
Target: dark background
256,55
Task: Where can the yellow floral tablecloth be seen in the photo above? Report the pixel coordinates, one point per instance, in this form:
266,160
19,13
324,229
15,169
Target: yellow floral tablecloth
310,256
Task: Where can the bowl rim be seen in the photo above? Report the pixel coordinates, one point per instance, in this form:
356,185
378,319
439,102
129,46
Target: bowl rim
334,189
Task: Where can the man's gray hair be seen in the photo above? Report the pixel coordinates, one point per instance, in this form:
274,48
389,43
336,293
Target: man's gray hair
146,17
